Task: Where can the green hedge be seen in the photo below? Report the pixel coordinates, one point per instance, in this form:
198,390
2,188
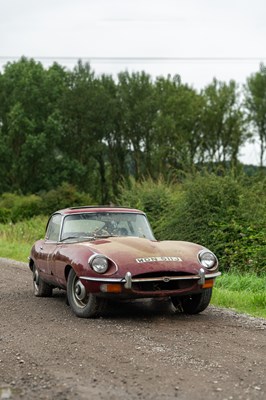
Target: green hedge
225,214
14,207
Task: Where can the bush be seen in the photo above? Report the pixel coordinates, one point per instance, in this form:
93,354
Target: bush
225,214
64,196
240,247
5,215
154,198
14,207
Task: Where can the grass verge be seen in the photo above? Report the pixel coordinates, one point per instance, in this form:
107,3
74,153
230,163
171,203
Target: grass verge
15,250
244,293
16,239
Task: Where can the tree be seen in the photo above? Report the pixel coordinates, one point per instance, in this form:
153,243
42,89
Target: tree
87,122
222,123
137,112
109,126
29,97
177,125
255,101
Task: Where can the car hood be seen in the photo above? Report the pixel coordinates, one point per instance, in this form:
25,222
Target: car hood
136,254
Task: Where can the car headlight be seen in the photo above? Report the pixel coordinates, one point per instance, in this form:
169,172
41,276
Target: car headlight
207,259
99,263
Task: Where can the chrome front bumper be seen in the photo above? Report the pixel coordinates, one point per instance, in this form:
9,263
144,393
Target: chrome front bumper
128,280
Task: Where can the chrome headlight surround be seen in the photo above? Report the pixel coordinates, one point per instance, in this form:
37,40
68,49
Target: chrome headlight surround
207,259
99,263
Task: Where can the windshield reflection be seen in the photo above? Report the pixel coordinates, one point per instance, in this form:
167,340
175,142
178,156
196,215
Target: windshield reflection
89,226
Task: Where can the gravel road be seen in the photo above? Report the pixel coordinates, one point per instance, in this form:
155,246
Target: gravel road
140,350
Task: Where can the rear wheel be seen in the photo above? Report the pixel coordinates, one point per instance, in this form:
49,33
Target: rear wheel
40,288
195,303
83,304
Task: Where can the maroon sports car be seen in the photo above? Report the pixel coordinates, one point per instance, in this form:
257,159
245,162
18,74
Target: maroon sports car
99,253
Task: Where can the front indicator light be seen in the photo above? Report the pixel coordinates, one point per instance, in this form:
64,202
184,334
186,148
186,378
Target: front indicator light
111,288
208,284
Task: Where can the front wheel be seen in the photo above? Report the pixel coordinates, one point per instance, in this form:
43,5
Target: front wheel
193,304
40,288
83,304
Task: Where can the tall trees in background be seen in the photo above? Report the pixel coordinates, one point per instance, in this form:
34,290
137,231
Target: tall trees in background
222,123
137,112
28,103
177,126
255,91
95,131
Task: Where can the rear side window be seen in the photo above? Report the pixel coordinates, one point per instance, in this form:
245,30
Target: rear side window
53,228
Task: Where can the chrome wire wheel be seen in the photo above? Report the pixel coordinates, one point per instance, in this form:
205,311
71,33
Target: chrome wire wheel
82,303
79,294
35,280
40,288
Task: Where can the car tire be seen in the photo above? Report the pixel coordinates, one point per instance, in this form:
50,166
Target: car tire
40,288
195,303
82,304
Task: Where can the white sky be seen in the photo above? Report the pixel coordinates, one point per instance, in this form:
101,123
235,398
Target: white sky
65,30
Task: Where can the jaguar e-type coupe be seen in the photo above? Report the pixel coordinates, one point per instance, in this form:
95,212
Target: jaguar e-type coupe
101,253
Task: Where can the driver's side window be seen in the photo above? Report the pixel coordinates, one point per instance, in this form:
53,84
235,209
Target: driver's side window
53,228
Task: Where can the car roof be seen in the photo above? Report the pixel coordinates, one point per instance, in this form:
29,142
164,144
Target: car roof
93,209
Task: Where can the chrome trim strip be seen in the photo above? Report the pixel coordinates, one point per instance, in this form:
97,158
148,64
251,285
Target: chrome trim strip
128,280
106,280
176,278
213,275
170,278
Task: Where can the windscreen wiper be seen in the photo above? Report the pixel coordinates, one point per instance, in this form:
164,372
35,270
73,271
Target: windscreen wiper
78,238
104,236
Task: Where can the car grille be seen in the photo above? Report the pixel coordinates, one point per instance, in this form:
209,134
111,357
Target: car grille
162,281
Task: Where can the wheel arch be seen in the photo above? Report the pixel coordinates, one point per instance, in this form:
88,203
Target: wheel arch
68,268
31,263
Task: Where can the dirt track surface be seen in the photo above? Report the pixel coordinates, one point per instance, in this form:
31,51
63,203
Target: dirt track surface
140,350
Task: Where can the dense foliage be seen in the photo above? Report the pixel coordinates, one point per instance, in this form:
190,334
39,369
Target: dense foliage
226,214
96,131
14,207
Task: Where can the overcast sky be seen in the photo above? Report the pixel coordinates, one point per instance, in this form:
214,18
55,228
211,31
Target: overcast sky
207,35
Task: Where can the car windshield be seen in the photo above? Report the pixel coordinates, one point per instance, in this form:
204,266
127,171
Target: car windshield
105,224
